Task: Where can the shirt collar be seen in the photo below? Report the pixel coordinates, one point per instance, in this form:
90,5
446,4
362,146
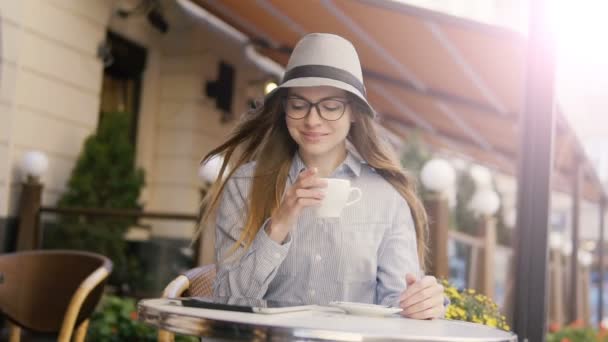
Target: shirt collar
352,163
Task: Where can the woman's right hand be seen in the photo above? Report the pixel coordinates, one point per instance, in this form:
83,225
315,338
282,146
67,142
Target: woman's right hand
305,192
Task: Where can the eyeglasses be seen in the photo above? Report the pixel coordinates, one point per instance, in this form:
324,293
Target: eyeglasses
330,109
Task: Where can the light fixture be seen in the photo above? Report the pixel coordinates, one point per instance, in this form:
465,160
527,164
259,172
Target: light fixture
209,171
222,89
589,245
510,217
153,11
437,175
104,53
156,18
269,86
485,202
555,240
34,164
567,248
585,258
481,176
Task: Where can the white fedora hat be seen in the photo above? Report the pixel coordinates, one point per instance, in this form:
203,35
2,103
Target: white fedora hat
323,59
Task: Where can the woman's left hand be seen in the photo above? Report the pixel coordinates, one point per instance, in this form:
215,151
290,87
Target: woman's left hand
422,299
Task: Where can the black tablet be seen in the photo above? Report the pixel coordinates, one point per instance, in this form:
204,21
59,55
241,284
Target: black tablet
250,305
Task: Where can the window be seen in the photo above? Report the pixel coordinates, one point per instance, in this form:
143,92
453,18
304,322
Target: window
122,79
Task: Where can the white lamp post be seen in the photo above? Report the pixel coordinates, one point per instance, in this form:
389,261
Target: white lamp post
511,217
585,258
567,248
589,245
556,244
485,202
34,164
481,176
437,175
269,87
556,241
209,171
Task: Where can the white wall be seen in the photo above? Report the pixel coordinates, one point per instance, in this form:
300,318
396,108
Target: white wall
178,123
51,80
188,124
10,32
50,92
139,31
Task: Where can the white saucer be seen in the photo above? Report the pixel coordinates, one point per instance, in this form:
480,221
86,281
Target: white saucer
366,309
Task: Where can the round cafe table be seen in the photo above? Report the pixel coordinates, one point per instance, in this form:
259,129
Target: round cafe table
320,324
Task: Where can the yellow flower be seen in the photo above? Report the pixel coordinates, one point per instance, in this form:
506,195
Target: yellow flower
450,291
471,306
491,322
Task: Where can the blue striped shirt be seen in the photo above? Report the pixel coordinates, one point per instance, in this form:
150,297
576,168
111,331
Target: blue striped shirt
362,256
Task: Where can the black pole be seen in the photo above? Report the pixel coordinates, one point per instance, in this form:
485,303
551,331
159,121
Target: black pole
600,263
534,182
577,176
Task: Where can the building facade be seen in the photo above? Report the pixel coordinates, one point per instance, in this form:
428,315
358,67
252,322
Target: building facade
51,92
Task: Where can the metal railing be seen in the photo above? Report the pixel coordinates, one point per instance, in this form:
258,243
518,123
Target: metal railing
171,255
122,213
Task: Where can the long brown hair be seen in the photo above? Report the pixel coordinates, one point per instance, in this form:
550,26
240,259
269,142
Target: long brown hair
263,137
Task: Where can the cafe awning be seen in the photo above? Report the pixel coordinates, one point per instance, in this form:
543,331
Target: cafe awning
459,83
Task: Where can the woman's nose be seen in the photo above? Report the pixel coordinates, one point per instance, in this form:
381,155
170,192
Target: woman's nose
314,117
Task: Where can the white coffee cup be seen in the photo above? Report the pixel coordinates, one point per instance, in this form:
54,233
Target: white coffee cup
337,193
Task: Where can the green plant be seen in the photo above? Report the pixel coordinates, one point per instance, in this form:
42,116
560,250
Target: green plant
415,155
116,320
573,335
413,158
504,234
464,220
103,177
467,305
576,332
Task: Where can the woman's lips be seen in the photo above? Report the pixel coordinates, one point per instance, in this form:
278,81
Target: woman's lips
313,136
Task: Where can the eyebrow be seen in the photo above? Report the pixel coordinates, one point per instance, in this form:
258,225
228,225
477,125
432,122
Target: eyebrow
335,97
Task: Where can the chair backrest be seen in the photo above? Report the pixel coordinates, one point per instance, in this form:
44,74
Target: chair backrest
201,281
196,282
38,286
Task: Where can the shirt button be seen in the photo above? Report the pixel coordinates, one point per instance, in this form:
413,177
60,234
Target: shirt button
277,255
318,257
312,292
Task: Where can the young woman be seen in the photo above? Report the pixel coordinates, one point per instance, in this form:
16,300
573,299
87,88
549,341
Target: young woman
270,245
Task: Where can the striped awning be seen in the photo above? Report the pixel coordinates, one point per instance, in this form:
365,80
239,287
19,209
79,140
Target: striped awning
459,83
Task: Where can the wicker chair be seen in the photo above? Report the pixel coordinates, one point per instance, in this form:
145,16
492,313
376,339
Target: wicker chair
195,282
51,292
